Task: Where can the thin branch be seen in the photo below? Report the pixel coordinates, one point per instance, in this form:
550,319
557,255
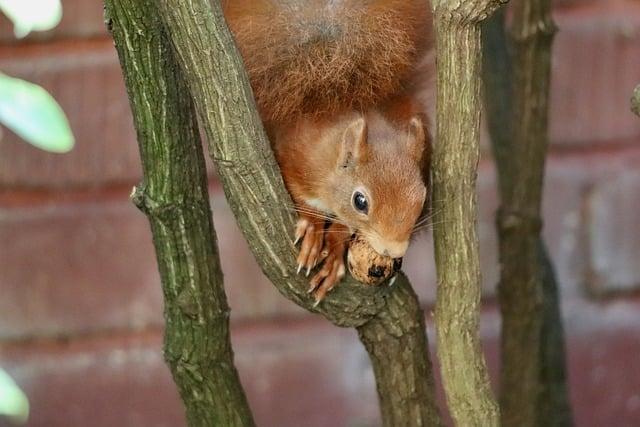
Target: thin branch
458,50
256,194
497,75
174,196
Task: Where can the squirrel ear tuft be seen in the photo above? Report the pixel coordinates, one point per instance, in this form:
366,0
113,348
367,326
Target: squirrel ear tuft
354,143
416,138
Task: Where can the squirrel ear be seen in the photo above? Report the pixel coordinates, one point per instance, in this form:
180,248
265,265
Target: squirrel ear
416,138
354,143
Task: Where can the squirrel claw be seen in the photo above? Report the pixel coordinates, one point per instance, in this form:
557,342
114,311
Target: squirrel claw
312,234
301,228
333,268
312,288
326,279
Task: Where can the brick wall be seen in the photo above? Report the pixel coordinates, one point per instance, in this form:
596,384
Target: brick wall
80,313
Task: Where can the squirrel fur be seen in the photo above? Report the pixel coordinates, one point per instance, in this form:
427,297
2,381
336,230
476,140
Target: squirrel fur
334,84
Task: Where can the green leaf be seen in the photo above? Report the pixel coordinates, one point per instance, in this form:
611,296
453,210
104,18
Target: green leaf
33,114
13,402
32,15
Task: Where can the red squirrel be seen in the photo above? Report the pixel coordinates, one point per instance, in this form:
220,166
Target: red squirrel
332,82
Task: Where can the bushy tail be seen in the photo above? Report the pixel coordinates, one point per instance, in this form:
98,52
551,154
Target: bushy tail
325,56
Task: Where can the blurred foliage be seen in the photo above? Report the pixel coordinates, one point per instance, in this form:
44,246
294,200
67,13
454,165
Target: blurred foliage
33,114
32,15
29,111
13,402
25,108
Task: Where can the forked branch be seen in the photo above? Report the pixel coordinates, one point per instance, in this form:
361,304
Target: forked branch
255,191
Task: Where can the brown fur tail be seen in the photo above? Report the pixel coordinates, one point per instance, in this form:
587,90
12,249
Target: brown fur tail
325,56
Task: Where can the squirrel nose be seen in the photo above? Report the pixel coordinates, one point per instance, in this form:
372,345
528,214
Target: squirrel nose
392,249
395,249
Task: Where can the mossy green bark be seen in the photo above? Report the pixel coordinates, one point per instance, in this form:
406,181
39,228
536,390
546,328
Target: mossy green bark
174,196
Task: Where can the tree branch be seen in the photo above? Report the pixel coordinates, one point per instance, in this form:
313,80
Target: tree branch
635,101
256,194
458,50
397,346
533,389
174,196
497,76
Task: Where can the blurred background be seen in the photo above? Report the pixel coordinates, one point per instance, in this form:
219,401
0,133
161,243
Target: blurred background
80,300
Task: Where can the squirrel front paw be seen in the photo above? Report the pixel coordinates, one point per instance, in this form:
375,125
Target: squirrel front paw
311,231
333,268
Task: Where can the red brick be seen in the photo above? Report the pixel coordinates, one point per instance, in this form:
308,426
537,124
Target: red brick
49,258
589,228
562,204
612,227
303,372
596,65
80,19
603,344
249,292
566,180
86,80
309,373
117,381
76,267
50,262
80,266
588,219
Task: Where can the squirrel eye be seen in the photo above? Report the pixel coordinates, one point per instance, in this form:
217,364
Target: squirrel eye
360,202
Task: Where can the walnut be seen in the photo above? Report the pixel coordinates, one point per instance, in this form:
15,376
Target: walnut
367,266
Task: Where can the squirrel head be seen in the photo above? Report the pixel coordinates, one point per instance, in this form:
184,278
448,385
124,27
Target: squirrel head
378,187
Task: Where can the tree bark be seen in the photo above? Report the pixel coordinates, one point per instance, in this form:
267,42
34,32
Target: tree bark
256,194
533,382
458,50
396,342
635,101
174,196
